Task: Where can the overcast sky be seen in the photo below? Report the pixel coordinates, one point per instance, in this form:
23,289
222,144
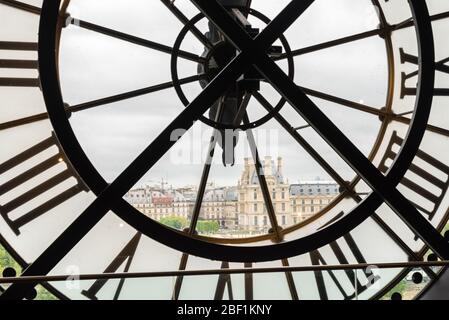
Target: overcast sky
95,66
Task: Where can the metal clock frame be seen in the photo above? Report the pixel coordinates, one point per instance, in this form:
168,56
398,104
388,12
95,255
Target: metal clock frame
106,200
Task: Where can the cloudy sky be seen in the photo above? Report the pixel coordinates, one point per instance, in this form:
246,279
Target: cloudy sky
95,66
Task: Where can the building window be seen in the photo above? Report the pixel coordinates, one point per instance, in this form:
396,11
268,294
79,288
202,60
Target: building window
256,220
265,220
283,207
283,195
312,209
255,195
255,207
284,221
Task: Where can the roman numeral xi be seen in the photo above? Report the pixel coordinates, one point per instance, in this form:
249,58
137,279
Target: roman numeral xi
44,158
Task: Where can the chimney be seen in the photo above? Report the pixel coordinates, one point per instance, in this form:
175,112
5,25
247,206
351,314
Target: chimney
246,172
246,164
280,165
267,167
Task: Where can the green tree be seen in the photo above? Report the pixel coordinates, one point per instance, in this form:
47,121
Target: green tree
175,222
6,261
43,294
208,227
401,287
446,229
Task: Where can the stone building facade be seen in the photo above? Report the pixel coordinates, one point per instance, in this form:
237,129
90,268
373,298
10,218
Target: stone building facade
252,212
310,197
241,208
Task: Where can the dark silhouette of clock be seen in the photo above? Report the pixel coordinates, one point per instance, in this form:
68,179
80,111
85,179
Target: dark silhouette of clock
234,67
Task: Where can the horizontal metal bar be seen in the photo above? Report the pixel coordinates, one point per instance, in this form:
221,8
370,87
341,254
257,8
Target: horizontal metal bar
187,273
21,6
332,43
136,40
18,64
18,46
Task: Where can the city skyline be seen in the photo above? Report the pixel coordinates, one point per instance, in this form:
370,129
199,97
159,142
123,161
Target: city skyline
114,135
240,209
167,183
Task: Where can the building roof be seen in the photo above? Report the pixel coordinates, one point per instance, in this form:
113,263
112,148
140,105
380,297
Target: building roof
275,172
315,188
221,194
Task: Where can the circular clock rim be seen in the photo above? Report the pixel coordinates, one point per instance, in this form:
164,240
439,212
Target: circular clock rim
212,123
179,241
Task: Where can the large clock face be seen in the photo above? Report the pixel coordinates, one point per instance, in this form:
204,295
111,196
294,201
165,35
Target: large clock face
226,134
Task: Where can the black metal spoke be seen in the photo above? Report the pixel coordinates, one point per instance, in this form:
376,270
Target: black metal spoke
90,217
353,156
302,142
263,182
383,114
344,102
129,177
430,128
203,184
23,121
284,20
242,110
206,170
332,43
324,127
184,20
252,53
131,94
22,6
306,126
223,21
275,229
200,197
99,102
408,23
136,40
356,37
334,174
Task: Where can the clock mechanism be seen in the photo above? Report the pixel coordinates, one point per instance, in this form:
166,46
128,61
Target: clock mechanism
302,145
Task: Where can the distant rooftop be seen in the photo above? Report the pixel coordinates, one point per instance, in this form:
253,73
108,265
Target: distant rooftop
317,182
315,188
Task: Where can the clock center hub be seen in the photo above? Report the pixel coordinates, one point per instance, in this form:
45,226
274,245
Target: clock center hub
216,59
231,110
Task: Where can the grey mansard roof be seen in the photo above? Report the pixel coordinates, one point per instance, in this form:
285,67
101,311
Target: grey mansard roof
314,188
221,194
